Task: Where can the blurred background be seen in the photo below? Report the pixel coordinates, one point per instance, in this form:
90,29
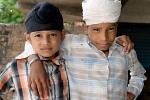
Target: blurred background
134,22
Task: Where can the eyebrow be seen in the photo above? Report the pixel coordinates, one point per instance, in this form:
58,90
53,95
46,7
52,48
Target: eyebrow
114,24
100,26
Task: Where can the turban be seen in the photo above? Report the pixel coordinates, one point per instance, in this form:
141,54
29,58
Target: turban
44,16
101,11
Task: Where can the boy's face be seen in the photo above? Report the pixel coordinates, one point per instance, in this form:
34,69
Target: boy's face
45,43
102,35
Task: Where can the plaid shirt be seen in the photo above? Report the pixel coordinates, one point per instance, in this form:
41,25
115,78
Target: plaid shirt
14,77
93,76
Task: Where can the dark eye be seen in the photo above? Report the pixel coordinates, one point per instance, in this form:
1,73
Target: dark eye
111,28
96,29
53,34
38,35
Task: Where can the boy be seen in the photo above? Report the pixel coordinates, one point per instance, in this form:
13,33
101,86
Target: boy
105,65
84,68
44,25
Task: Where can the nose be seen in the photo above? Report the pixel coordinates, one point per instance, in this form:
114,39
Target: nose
45,41
104,35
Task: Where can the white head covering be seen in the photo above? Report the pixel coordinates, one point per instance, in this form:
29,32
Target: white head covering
101,11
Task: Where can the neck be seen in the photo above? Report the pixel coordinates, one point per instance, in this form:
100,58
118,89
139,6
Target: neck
106,52
53,56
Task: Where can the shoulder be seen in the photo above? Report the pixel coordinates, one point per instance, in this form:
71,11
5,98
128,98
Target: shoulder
13,64
9,66
131,55
72,39
120,50
115,46
77,38
73,36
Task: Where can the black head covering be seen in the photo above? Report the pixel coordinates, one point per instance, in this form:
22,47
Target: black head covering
44,16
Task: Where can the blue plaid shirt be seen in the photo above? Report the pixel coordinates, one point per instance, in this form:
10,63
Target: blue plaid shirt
93,76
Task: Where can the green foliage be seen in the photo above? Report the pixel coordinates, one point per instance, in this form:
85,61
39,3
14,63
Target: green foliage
9,12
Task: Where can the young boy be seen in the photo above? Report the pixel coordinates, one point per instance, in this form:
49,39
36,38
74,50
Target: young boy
97,67
90,69
44,25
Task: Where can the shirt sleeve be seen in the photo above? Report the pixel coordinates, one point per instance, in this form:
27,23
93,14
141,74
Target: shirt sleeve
27,51
137,72
6,82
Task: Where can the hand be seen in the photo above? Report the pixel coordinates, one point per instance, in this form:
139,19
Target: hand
38,80
126,42
130,96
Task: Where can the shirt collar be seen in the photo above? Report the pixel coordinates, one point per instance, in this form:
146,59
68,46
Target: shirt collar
58,60
91,44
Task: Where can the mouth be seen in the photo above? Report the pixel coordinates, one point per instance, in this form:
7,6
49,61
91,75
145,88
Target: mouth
46,49
105,44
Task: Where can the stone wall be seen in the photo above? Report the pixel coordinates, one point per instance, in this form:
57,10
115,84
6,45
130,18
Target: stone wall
11,42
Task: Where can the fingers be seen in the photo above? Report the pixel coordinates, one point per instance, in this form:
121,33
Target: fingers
29,84
129,45
126,42
34,89
119,41
130,96
40,89
46,87
48,83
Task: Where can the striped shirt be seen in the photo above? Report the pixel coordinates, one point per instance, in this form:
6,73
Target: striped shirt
93,76
14,77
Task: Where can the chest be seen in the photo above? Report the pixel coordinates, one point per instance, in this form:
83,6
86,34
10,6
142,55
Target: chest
88,63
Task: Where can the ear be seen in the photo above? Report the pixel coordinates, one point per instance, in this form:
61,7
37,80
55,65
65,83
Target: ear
63,33
85,28
28,37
